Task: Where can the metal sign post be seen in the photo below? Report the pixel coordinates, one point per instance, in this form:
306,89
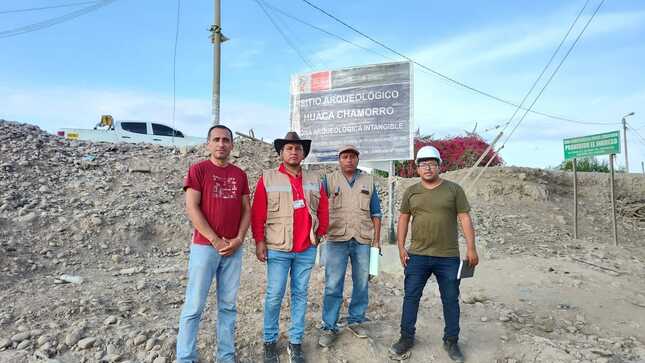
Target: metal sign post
390,203
613,198
600,144
575,200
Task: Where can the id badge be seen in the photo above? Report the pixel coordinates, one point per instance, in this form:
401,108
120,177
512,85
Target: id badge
299,203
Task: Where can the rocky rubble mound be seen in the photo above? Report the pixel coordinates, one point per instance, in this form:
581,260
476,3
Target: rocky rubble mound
114,198
71,206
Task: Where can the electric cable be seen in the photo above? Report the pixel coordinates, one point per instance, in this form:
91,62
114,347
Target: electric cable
637,133
47,7
284,35
566,55
446,77
286,27
322,30
54,21
547,65
564,58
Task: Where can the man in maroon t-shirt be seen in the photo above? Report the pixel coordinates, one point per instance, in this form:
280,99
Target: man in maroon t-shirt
218,205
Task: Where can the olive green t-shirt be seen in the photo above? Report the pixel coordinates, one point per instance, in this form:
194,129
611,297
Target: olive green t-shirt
434,218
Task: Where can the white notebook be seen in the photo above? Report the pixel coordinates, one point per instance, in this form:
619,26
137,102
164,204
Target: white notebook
374,260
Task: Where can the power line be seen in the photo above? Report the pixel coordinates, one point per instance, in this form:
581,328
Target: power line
47,7
284,24
547,65
544,69
555,71
448,78
53,21
566,55
283,34
333,35
174,66
637,133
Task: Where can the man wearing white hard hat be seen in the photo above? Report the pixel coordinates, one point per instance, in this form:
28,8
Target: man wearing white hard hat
435,205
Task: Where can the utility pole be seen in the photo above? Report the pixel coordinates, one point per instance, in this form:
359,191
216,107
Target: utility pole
625,140
216,39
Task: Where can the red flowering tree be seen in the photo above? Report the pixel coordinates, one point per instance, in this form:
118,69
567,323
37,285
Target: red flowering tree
457,153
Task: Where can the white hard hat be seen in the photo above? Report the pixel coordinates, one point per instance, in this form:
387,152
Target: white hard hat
428,152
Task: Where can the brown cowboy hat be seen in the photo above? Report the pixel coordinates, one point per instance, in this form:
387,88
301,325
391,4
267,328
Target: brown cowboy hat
292,138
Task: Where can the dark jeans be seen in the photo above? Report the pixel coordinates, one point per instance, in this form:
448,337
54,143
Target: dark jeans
417,273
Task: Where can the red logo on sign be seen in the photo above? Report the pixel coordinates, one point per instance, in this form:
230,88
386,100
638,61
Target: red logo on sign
320,81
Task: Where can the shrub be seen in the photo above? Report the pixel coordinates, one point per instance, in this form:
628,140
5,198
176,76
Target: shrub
586,164
457,153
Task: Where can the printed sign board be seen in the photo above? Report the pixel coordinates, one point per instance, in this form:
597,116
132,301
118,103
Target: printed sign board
369,107
585,146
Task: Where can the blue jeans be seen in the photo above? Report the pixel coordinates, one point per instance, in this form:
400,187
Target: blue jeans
337,255
281,265
417,273
206,264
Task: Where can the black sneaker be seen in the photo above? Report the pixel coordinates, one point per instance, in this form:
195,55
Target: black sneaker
271,353
401,349
295,353
451,346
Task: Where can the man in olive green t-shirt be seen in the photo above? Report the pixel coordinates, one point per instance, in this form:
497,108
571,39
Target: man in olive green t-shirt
435,205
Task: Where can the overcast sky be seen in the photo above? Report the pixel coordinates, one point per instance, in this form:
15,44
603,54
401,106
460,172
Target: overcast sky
118,60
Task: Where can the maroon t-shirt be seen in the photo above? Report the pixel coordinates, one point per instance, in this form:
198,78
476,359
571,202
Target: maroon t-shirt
222,189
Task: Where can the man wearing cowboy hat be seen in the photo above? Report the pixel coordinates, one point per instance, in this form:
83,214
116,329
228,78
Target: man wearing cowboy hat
288,217
354,226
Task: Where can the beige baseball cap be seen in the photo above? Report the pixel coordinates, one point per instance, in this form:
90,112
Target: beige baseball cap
348,148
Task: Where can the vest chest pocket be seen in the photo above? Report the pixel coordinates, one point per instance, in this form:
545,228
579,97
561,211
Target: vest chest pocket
336,201
273,202
364,200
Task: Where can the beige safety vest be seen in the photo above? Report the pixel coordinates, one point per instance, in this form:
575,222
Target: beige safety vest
278,230
349,208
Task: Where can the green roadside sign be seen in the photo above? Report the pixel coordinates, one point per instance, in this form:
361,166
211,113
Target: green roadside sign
592,145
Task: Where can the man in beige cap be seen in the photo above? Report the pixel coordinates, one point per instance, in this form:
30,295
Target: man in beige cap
354,227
